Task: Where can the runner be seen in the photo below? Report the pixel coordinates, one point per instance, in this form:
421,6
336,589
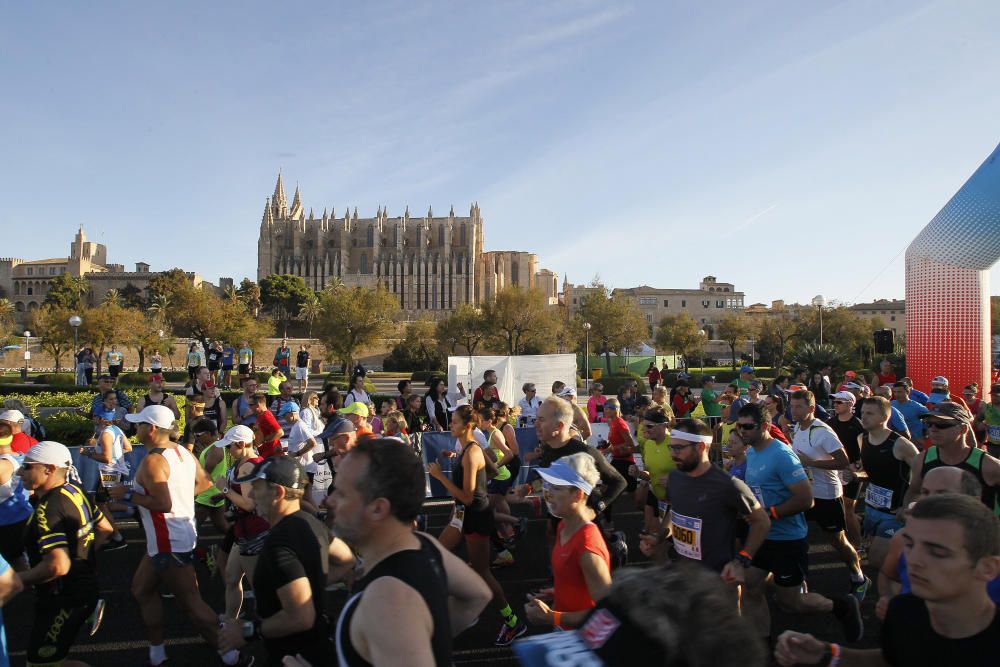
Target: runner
378,494
654,445
11,423
282,358
848,429
886,457
302,368
194,360
291,572
108,450
581,423
620,443
952,551
910,409
472,520
228,357
948,425
595,404
989,420
156,396
268,434
166,483
61,537
14,506
779,482
819,450
581,564
708,509
357,414
115,360
213,360
242,409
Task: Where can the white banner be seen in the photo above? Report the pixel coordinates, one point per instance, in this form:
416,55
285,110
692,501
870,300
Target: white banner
512,373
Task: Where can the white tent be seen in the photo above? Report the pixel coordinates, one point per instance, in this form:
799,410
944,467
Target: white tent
512,373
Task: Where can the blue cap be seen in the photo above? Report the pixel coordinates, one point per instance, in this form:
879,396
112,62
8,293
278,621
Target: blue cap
107,415
561,474
290,406
746,369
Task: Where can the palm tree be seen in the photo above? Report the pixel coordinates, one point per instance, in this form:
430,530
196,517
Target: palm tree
230,294
159,306
113,296
310,311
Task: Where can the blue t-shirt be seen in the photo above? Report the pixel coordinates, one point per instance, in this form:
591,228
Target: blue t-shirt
919,396
769,474
4,660
911,411
898,423
227,356
739,471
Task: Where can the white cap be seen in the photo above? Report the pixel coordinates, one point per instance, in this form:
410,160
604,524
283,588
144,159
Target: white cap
940,379
158,415
566,392
14,416
238,433
845,396
50,453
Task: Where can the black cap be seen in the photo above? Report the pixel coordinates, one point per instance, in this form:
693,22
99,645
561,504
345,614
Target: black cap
281,470
949,410
337,426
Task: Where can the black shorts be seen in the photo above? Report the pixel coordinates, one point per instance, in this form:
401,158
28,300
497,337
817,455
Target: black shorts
192,372
654,502
479,523
162,561
244,369
622,468
852,488
114,371
57,621
213,367
787,560
12,540
828,514
227,368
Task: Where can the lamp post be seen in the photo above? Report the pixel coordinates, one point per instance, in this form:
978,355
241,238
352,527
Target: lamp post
701,355
75,321
586,358
819,302
27,355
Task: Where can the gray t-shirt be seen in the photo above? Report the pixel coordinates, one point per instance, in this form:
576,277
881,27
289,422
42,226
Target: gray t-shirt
704,514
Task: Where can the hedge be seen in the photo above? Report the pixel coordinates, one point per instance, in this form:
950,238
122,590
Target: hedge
612,383
421,377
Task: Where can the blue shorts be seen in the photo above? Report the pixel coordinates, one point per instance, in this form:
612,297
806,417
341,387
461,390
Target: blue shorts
879,523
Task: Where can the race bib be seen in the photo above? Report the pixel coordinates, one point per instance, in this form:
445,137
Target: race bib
687,535
109,478
758,492
458,518
993,434
878,497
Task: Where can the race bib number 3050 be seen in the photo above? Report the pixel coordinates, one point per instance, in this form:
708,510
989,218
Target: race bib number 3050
687,535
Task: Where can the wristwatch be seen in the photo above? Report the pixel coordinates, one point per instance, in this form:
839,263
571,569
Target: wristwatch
225,491
743,560
251,630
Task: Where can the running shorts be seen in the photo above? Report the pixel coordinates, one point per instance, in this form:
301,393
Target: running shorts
787,560
57,621
828,514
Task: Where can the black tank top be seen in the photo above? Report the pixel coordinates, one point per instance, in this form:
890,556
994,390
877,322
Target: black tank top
886,474
422,570
214,412
150,401
974,464
480,501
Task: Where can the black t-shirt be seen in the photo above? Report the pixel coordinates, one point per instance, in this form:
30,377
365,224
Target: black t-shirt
296,547
64,518
301,359
848,432
909,640
214,357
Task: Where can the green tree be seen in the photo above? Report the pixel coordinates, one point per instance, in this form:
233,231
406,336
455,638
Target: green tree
132,297
203,315
66,291
167,284
814,356
354,318
465,326
144,335
418,349
105,325
735,329
844,329
7,314
249,292
995,315
309,311
776,332
51,325
113,296
283,295
615,321
680,334
518,318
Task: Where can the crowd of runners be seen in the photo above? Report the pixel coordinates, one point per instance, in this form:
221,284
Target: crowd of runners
315,489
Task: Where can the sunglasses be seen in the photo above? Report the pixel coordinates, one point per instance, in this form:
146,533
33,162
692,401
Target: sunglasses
940,425
29,465
838,402
747,427
677,449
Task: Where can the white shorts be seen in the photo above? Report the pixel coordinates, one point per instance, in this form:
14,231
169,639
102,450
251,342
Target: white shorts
301,373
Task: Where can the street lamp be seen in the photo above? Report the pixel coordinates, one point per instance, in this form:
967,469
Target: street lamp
701,355
27,354
75,321
586,358
819,302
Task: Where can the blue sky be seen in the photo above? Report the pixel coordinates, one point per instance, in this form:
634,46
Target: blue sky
793,148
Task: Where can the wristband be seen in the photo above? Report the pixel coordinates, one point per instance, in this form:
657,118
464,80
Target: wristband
831,656
556,618
744,558
773,512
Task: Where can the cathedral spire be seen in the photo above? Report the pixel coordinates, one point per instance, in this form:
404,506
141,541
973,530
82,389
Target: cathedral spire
407,213
430,212
279,192
451,213
297,210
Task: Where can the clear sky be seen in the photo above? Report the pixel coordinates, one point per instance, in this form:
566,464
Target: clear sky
793,148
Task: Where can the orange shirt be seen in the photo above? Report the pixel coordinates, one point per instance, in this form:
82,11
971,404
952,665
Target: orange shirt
571,592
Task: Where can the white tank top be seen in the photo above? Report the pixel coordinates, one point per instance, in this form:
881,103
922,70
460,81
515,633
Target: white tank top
174,531
118,463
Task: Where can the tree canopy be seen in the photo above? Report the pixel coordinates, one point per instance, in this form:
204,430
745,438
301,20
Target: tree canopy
518,319
66,291
353,318
615,323
680,334
283,295
735,329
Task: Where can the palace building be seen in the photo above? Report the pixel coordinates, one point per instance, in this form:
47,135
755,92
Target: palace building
430,263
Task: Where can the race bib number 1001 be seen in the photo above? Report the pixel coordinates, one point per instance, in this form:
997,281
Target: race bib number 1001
687,535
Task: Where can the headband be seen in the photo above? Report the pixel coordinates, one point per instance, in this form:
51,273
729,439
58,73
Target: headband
690,437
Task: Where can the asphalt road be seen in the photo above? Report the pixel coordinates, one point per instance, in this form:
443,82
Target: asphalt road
121,641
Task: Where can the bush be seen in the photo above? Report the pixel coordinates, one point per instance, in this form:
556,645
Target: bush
420,378
343,382
56,379
612,383
68,428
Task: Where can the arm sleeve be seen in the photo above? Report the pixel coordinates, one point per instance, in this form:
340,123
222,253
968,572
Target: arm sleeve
52,516
610,477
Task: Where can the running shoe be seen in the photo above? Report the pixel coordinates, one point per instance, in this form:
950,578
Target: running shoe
847,609
96,616
508,634
504,559
860,589
114,545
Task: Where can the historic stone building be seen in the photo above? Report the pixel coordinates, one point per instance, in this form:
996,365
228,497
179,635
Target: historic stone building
430,263
25,283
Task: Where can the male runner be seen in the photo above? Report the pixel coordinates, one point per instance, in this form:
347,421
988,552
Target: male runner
378,493
948,425
166,483
707,508
989,419
242,409
61,538
911,410
266,428
777,478
952,547
886,457
820,451
848,429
